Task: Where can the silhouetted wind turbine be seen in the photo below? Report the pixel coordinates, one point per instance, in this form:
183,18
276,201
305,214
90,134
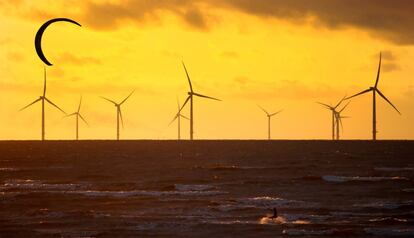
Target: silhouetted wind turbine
43,98
269,116
338,120
333,110
178,117
118,112
190,98
374,91
78,115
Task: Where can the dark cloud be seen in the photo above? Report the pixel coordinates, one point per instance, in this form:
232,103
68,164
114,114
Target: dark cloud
386,19
109,15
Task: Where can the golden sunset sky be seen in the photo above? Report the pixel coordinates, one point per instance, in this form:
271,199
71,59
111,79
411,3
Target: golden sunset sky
280,54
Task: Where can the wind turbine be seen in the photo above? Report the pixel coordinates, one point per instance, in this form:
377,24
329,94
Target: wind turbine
338,120
178,117
333,109
78,115
269,116
118,112
374,91
43,98
190,98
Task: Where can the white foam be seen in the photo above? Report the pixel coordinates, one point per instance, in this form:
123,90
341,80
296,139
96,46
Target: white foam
270,202
38,185
342,179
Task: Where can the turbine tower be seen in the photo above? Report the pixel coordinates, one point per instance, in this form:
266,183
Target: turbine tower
333,110
190,98
374,91
118,112
78,115
178,117
338,120
269,116
43,98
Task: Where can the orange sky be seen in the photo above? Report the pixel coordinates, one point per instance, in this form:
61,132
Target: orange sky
278,54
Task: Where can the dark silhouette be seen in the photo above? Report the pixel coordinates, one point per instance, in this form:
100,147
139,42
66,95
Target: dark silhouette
375,90
274,214
190,98
269,116
118,112
333,109
338,120
39,34
43,98
178,117
78,115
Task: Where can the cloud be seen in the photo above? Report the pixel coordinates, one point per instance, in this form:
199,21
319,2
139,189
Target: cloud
391,20
68,58
109,15
389,61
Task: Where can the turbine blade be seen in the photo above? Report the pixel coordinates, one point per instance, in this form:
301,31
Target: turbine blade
178,104
35,101
344,107
175,118
127,97
188,77
204,96
83,119
188,98
339,103
365,91
263,110
69,115
80,102
379,71
120,116
386,99
44,82
275,113
55,105
326,105
184,117
340,122
109,100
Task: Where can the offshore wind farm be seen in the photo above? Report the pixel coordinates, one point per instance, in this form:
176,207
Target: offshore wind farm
228,160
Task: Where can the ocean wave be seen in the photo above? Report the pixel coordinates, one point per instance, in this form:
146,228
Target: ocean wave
193,187
29,184
393,169
304,232
232,167
342,179
269,202
386,205
390,231
8,169
134,193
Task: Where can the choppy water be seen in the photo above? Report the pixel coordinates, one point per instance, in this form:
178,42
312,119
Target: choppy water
317,195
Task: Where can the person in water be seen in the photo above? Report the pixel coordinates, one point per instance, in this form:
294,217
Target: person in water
274,214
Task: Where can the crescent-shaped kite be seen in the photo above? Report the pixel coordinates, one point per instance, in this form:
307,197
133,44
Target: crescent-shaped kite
39,34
